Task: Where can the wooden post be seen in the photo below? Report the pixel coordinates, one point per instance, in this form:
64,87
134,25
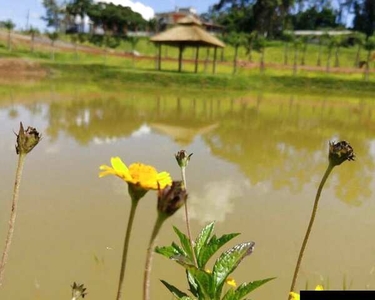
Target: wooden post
159,58
214,62
196,59
180,58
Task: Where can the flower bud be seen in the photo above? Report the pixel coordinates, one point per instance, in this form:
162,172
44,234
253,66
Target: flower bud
182,158
340,152
27,139
171,198
78,290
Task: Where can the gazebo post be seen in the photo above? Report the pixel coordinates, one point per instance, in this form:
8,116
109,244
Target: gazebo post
159,57
196,59
180,57
214,62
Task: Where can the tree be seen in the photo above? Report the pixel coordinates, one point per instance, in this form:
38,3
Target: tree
314,18
9,25
54,13
364,16
304,40
287,38
53,36
79,8
359,40
330,42
249,43
33,32
296,45
260,45
369,46
236,40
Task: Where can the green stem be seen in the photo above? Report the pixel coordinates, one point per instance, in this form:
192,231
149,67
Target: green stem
13,215
126,246
187,217
146,280
312,218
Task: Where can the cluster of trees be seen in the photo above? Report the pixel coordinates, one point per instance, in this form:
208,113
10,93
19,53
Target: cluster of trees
114,20
272,17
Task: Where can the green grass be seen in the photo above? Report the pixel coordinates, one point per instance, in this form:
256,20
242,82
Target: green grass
119,71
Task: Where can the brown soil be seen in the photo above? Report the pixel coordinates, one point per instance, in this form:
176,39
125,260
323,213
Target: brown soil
20,69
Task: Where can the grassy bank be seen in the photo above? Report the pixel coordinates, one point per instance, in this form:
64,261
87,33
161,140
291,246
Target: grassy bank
271,81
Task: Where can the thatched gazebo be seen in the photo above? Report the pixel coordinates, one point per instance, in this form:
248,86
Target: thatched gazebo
188,33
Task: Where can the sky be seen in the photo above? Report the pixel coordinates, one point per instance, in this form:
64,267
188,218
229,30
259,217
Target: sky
17,10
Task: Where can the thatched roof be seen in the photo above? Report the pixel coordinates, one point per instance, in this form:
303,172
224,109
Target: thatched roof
189,20
187,35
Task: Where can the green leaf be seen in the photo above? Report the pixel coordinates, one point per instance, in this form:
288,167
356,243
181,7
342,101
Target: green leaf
193,286
230,295
213,245
202,280
228,262
246,288
203,237
175,291
185,243
178,249
168,251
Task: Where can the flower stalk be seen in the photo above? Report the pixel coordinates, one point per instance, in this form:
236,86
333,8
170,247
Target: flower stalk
170,199
337,154
133,208
147,272
26,141
183,159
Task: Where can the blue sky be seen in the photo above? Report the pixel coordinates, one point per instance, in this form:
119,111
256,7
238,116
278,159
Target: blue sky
17,10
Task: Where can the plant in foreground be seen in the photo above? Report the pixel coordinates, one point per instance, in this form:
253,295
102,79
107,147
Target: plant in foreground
337,154
26,141
183,160
140,179
170,199
78,290
203,284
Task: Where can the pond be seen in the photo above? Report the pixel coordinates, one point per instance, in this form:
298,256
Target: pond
258,159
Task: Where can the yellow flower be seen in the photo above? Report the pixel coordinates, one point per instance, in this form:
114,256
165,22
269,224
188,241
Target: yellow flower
231,282
139,175
295,296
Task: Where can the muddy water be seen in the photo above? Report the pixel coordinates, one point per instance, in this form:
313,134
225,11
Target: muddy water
257,162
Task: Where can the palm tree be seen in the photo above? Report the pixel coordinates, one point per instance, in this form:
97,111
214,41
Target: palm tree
359,39
369,46
9,25
287,37
53,36
33,33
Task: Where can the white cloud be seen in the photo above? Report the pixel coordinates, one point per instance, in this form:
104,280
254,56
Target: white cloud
147,12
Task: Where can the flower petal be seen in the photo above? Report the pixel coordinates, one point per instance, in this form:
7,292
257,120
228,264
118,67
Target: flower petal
121,169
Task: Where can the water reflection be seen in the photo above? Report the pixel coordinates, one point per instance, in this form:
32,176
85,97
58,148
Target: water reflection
281,141
257,161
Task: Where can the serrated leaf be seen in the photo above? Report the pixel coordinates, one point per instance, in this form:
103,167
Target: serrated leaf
185,243
211,248
167,251
203,237
193,286
175,291
228,262
203,280
230,295
245,288
178,249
